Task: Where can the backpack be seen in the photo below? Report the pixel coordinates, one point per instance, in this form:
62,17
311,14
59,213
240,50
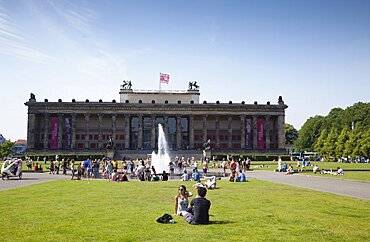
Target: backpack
165,219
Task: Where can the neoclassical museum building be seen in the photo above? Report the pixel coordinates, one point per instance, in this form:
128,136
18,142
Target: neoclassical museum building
132,124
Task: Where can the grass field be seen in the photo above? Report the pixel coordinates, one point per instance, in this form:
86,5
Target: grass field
107,211
358,171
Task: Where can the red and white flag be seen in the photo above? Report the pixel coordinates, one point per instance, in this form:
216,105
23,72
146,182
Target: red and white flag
164,78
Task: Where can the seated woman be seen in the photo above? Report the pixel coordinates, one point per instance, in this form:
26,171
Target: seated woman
182,201
339,172
123,177
232,177
290,170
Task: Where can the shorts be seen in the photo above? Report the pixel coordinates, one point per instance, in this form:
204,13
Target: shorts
204,171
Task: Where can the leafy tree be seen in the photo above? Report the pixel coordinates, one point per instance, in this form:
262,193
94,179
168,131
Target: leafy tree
309,133
291,134
341,142
6,148
319,145
365,143
330,142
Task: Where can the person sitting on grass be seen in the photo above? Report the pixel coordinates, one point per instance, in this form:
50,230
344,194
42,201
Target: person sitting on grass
198,210
339,172
123,177
185,176
164,176
232,176
182,201
290,170
196,175
285,167
315,169
241,177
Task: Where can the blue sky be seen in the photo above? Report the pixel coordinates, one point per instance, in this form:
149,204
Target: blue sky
316,54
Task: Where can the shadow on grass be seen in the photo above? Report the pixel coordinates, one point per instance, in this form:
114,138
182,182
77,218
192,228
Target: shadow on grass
221,222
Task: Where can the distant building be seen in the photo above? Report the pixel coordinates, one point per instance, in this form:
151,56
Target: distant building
19,147
132,124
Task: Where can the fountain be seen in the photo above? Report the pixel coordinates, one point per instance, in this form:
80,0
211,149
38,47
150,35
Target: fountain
161,160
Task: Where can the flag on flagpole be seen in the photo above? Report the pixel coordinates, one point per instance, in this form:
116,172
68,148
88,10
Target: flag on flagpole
164,78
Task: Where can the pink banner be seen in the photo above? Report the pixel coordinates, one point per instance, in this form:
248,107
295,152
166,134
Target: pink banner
260,135
54,133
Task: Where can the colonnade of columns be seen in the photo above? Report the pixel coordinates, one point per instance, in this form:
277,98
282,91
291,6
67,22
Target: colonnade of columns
32,129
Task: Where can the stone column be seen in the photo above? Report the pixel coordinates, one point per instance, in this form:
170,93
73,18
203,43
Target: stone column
60,131
87,130
140,133
254,130
114,118
100,131
31,131
217,131
73,143
127,131
178,132
242,131
153,132
191,131
46,130
165,128
230,132
281,131
204,134
267,129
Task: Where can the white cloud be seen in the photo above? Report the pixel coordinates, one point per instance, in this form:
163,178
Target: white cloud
78,17
12,43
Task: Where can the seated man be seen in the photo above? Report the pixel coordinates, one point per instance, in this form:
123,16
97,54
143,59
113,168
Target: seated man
198,209
185,176
241,177
196,175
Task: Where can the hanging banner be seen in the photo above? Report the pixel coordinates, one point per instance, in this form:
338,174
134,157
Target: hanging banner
248,133
260,135
68,123
54,133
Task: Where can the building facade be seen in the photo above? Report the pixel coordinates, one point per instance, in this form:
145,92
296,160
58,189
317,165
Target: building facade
132,123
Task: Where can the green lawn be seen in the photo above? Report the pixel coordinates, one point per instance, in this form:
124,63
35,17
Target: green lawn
108,211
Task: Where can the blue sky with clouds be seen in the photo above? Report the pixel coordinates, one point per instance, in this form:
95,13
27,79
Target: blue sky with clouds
316,54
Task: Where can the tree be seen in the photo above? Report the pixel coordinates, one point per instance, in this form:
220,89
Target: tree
319,145
341,142
330,142
309,133
6,148
291,134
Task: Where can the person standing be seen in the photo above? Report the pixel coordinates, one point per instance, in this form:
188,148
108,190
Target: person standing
198,209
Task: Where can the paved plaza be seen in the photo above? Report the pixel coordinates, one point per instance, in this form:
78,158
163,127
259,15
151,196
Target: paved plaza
351,188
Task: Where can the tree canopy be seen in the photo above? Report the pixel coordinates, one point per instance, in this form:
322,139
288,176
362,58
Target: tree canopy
6,148
342,133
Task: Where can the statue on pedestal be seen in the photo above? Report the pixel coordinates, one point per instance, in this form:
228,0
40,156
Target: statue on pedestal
110,143
193,86
127,85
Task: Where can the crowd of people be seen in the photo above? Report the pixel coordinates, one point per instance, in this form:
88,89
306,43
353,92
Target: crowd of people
301,167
